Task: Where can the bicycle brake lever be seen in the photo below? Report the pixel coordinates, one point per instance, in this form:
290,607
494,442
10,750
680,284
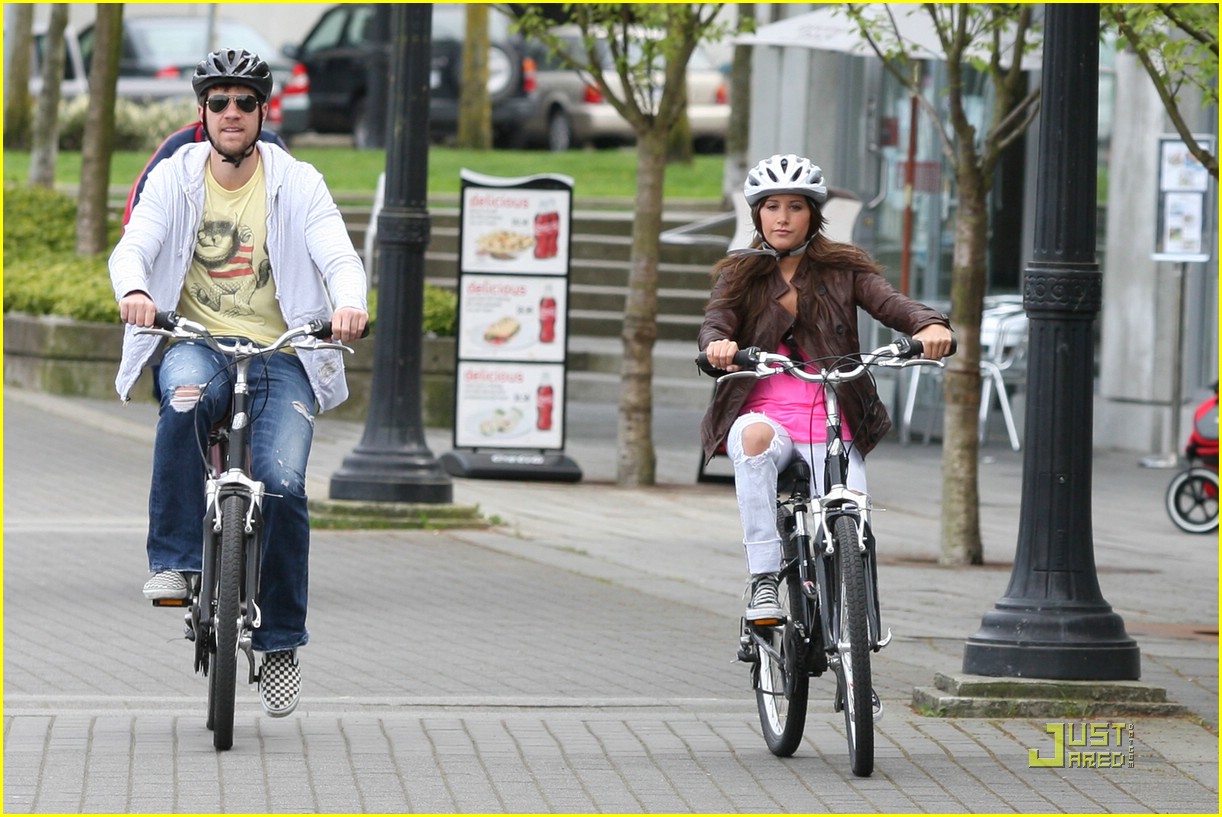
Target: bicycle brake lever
152,330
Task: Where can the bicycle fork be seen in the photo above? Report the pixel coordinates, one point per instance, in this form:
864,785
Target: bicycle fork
840,503
201,620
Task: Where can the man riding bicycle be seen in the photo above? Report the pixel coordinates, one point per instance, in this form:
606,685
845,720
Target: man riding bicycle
239,236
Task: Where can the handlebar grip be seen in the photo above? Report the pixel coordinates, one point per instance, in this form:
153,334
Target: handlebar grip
746,358
911,347
323,332
166,320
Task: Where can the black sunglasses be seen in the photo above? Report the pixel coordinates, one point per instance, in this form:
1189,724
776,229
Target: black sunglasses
219,102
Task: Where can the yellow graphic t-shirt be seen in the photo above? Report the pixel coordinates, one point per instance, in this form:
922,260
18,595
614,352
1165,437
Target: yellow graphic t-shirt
229,288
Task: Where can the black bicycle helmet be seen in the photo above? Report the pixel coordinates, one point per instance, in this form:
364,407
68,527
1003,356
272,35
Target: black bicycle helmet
232,66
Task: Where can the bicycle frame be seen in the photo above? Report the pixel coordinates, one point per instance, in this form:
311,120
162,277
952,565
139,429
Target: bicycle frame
228,474
828,582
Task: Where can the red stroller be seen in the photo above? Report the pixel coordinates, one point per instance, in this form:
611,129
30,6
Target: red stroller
1192,496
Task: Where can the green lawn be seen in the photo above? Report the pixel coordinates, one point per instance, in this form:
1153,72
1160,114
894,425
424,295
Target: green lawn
596,173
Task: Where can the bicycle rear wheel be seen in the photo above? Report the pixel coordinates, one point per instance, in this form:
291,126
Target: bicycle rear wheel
223,683
1192,500
853,673
782,685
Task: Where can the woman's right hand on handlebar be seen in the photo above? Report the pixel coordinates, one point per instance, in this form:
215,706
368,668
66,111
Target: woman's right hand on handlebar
137,308
720,354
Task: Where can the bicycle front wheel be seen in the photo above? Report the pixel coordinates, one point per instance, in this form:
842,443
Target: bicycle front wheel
222,686
1192,500
853,673
783,685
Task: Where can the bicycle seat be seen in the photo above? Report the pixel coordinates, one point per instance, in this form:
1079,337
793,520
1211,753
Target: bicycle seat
794,479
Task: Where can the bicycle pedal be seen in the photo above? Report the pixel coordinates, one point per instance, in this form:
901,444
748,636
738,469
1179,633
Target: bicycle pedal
172,602
766,622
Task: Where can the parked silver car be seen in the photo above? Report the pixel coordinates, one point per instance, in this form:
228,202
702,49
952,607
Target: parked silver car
158,58
569,110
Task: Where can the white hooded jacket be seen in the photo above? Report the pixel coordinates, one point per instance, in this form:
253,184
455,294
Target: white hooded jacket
308,246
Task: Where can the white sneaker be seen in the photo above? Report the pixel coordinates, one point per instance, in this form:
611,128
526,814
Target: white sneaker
168,584
279,683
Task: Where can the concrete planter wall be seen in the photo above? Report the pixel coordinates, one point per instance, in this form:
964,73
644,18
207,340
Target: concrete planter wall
80,359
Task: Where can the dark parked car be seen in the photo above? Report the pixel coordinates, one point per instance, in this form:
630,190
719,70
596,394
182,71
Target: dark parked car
350,38
535,101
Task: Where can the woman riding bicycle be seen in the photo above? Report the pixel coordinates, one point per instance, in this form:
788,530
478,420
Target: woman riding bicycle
795,292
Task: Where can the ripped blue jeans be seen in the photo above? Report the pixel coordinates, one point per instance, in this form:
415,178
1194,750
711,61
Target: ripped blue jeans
195,391
755,483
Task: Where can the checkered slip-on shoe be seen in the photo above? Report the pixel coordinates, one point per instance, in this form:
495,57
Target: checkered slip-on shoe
168,584
279,683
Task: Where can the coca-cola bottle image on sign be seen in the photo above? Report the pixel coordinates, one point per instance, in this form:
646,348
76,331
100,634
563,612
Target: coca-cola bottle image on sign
545,399
547,231
547,317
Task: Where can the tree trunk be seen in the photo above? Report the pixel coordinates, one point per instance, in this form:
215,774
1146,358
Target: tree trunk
679,147
474,106
99,138
637,459
18,107
45,146
739,129
961,543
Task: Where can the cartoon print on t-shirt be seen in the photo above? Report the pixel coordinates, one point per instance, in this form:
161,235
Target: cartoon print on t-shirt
225,249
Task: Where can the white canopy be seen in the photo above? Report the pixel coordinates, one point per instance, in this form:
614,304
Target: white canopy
831,29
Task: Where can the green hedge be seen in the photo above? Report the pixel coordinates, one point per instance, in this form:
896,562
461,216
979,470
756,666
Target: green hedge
43,275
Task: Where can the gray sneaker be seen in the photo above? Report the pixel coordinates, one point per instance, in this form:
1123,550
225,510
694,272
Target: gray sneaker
168,584
764,604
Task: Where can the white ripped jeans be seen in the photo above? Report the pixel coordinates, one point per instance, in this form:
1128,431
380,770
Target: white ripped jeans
755,483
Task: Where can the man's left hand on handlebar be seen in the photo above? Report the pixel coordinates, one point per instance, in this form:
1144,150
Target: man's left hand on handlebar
348,324
936,340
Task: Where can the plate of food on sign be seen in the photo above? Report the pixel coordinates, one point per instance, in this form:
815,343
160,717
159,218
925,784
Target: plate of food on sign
505,333
504,245
500,423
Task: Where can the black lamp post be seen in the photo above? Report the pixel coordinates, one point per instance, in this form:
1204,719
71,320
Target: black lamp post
392,463
1053,621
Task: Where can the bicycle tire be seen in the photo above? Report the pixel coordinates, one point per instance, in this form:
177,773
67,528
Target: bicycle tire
211,722
853,644
782,686
1192,500
223,687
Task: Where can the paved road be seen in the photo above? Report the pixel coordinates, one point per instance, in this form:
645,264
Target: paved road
576,658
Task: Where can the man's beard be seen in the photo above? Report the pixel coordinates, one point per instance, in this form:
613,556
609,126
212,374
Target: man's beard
235,158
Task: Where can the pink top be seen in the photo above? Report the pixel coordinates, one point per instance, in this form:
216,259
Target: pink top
798,406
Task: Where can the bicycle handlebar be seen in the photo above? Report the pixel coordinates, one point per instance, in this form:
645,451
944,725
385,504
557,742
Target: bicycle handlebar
171,324
900,353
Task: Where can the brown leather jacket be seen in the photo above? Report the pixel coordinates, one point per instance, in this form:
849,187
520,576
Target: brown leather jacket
825,328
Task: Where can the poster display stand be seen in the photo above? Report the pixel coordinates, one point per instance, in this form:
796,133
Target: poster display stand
512,350
1184,235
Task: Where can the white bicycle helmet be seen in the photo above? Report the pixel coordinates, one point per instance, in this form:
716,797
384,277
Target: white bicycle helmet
779,174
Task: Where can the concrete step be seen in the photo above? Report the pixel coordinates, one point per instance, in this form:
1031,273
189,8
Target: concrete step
441,269
594,373
609,325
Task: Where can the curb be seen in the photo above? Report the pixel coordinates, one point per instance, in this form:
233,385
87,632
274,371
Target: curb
337,514
974,696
